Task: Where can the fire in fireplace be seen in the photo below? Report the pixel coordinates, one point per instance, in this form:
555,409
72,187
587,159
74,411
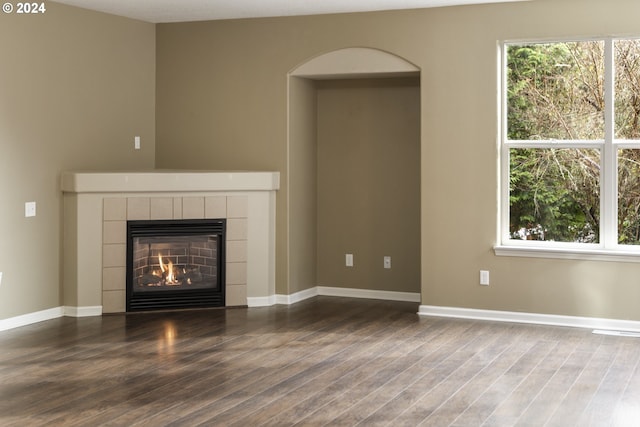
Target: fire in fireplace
175,264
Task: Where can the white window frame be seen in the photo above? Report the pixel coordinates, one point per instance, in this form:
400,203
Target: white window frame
608,248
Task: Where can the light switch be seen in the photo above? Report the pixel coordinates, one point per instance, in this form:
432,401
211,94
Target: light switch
484,277
348,260
30,209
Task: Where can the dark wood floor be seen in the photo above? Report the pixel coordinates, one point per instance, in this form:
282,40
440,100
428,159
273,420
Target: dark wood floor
324,361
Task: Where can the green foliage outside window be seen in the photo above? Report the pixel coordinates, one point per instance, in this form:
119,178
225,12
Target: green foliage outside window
556,93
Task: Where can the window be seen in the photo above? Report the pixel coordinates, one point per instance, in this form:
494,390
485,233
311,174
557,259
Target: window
571,145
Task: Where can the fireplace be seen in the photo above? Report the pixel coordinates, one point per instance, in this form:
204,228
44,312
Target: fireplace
175,264
98,205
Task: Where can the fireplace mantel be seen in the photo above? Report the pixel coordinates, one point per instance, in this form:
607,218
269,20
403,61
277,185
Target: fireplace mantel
97,205
168,180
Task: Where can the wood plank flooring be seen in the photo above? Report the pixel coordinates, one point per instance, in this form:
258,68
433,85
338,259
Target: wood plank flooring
325,361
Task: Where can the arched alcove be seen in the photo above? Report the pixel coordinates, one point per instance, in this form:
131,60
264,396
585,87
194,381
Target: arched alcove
355,62
349,70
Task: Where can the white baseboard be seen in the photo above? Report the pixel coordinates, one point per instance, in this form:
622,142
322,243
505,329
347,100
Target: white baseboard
531,318
297,297
52,313
333,292
369,293
71,311
28,319
424,310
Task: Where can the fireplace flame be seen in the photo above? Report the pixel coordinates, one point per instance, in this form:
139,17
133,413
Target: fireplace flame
167,270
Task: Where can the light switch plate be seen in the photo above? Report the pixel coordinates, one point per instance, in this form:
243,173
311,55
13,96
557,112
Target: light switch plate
30,209
348,260
484,277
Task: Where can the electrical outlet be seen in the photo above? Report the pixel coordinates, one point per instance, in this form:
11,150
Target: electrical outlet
136,142
348,260
484,277
387,262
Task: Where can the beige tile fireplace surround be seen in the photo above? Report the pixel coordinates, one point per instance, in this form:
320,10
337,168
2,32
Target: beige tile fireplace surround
97,206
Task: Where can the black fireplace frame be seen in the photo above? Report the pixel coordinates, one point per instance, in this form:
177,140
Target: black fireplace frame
182,298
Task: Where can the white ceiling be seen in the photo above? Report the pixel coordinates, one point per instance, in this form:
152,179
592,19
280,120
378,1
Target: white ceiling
157,11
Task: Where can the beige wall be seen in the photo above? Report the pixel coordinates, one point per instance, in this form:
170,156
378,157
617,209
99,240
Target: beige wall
218,106
302,228
75,88
222,103
369,183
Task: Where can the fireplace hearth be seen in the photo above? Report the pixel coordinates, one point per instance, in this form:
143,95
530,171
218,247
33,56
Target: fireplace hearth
175,264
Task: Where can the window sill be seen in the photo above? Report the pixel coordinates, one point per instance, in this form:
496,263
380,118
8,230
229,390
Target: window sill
564,253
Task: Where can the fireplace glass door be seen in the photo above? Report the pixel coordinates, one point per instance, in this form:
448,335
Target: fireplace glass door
175,264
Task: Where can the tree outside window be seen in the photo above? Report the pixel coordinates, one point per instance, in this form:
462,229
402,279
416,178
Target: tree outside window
572,135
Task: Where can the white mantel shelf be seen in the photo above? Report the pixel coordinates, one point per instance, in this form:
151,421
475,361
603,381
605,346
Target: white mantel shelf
167,181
